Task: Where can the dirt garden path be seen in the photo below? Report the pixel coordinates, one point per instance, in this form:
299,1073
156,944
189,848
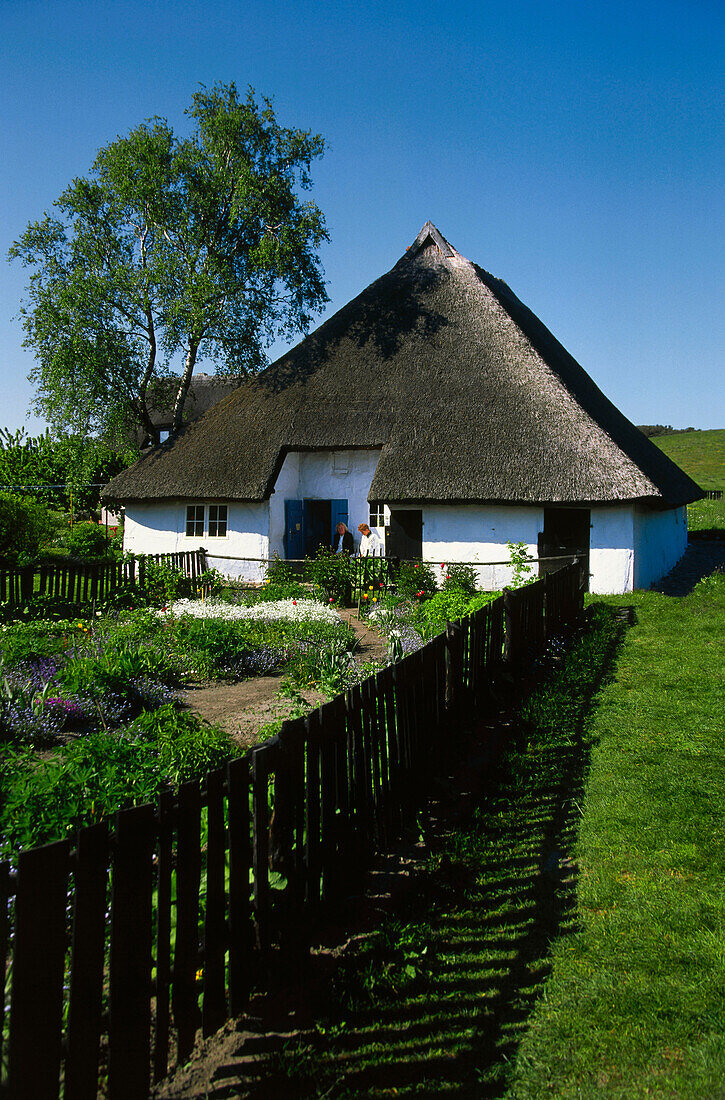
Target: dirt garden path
243,708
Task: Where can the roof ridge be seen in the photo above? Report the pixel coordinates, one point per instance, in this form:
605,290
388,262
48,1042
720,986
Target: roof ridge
430,233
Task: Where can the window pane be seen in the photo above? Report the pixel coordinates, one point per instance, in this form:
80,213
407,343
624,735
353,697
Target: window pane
217,521
377,514
195,521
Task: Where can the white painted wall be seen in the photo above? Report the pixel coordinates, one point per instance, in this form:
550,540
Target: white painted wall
160,528
322,475
630,546
611,549
479,533
660,540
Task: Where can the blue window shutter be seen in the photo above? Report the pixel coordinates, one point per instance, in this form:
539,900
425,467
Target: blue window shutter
294,534
339,514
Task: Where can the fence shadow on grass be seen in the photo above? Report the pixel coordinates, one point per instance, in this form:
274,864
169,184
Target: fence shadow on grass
502,890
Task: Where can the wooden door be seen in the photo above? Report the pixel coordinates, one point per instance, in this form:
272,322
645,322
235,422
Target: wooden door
404,536
566,532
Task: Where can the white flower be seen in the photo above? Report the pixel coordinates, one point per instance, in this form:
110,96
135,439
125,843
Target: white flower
292,610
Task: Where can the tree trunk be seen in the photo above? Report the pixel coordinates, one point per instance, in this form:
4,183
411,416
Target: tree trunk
183,389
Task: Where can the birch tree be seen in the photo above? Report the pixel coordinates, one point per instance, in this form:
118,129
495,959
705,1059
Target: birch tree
173,251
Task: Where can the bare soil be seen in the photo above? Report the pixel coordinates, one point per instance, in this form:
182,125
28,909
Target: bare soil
243,708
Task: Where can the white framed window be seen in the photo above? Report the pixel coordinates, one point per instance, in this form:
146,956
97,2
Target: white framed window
377,514
217,521
195,521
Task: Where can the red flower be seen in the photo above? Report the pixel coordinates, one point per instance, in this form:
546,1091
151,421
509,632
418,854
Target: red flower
442,565
294,603
332,599
448,576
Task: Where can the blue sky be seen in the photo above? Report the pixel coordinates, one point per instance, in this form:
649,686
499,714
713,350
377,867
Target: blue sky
575,151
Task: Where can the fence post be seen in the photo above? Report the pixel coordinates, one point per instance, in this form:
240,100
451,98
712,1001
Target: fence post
454,670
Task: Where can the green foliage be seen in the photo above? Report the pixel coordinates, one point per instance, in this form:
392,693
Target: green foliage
460,578
163,583
24,641
523,569
58,470
278,571
332,575
87,540
416,580
187,747
25,526
97,675
44,799
325,667
430,617
197,246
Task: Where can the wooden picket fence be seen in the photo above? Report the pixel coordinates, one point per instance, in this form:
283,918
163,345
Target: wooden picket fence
79,582
121,945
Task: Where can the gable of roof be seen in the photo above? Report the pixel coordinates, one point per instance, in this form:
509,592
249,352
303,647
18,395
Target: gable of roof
438,363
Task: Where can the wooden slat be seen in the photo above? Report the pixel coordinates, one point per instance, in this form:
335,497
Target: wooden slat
129,1054
4,936
313,805
85,1020
361,817
262,764
372,750
328,802
378,693
186,954
391,735
165,824
214,1008
240,863
38,965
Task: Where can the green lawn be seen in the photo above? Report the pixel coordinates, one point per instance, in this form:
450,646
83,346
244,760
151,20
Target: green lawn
706,515
700,454
569,939
635,1006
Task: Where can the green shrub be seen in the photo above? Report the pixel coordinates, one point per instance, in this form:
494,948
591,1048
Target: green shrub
278,571
44,799
25,526
416,580
430,617
187,747
87,540
522,565
114,671
332,575
163,584
460,578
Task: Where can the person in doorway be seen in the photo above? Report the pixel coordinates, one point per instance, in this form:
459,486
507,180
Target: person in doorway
343,542
371,545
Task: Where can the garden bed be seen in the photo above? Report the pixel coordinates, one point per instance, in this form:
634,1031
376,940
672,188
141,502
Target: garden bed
105,709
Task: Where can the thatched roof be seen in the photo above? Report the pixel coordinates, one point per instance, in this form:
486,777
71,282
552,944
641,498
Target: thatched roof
438,363
204,391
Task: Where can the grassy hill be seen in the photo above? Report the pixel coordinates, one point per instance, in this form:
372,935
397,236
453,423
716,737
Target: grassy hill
700,454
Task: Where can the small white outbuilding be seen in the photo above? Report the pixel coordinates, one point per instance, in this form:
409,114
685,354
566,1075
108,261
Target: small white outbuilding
435,407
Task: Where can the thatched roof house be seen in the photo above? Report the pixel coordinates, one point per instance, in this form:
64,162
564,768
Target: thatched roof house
454,401
204,391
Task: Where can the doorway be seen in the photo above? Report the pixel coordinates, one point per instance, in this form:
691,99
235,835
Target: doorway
566,531
310,524
404,536
318,524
